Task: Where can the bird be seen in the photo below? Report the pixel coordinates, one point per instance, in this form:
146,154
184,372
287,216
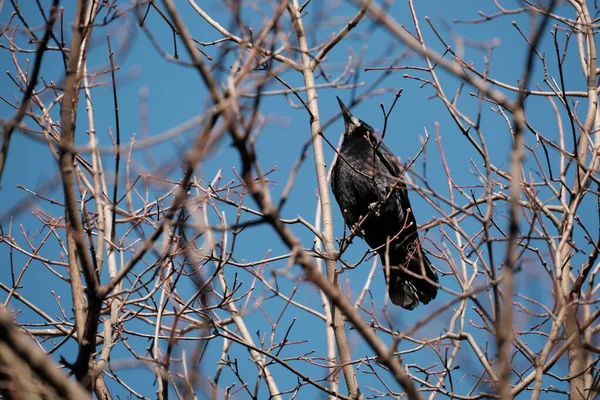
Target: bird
367,184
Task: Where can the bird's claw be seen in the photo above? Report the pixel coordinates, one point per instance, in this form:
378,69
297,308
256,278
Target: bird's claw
374,208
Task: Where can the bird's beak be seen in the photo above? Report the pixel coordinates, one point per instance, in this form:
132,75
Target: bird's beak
350,121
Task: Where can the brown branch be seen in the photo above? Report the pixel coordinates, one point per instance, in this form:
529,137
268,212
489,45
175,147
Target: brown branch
75,232
323,188
504,327
39,362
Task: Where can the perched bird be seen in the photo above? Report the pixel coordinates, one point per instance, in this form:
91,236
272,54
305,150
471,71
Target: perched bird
366,183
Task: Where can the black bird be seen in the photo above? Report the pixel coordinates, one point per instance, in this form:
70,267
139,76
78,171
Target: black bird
366,182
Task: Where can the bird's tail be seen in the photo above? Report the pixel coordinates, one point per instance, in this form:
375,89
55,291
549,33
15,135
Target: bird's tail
408,289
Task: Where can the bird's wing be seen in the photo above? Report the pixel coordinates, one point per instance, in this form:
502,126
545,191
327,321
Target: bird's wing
388,160
393,172
398,201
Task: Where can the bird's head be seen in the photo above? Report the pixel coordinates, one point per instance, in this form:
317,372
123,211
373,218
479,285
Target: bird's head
353,125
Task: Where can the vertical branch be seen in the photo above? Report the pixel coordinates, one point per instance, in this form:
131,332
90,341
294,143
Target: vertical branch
576,354
103,237
504,328
106,219
75,233
587,41
319,158
161,368
329,333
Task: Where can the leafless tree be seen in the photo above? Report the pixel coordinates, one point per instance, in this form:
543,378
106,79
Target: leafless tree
185,262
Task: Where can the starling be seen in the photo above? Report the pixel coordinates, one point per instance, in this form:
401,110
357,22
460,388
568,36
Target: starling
367,186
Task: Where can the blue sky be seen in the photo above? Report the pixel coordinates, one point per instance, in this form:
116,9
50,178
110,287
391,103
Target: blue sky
156,95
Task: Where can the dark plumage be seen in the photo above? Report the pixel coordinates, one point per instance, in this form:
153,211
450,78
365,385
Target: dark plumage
363,176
